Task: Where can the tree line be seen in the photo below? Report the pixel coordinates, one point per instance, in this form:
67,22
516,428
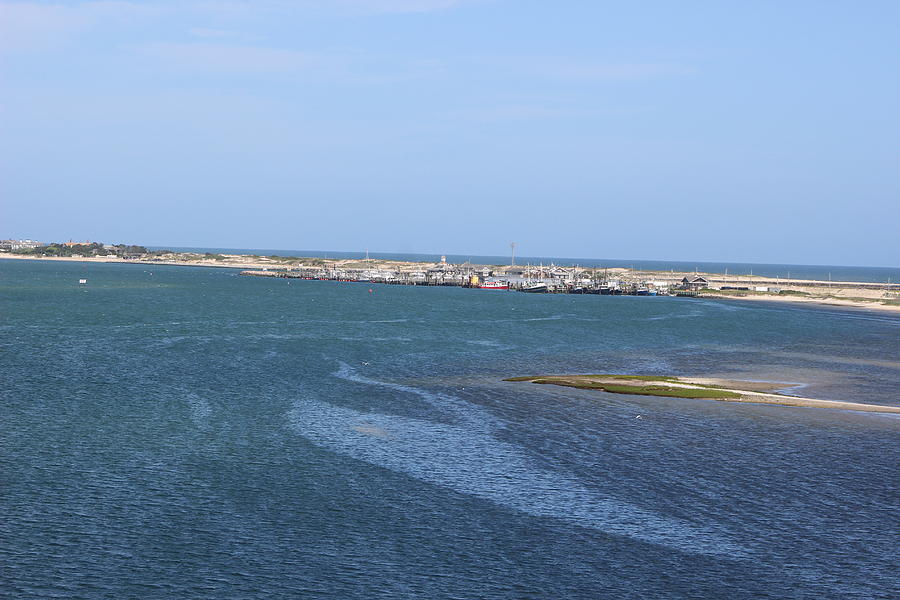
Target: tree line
92,249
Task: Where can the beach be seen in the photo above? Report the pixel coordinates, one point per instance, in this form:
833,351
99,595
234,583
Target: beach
824,300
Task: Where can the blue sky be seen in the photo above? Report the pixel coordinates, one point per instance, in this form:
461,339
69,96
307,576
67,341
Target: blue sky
729,131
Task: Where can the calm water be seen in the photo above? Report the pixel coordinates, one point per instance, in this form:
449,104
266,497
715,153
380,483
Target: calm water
822,272
181,432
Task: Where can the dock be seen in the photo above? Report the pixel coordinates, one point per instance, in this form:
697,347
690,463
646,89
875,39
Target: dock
558,280
555,279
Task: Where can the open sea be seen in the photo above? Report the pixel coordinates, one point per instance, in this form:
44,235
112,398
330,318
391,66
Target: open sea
185,432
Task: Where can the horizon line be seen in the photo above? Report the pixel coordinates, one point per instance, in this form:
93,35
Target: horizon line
362,252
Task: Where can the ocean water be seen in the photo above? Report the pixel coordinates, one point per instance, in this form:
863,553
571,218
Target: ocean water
820,272
183,432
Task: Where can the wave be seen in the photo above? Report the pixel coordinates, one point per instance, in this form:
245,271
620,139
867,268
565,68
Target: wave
550,318
471,461
489,344
464,412
200,409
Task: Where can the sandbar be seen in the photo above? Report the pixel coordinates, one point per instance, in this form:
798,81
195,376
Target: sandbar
724,390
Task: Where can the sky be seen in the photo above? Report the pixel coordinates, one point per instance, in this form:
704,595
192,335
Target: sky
724,131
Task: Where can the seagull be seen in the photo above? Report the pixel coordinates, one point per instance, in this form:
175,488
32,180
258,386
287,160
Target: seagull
365,364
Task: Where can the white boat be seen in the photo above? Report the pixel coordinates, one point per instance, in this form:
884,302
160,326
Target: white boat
82,281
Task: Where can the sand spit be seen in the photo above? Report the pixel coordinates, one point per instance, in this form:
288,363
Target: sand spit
809,292
874,303
726,390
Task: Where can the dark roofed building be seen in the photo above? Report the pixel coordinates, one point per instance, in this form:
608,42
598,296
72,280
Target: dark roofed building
695,283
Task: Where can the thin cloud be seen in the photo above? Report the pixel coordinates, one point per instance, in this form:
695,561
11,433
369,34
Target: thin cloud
208,33
29,26
584,71
227,57
339,6
622,71
327,7
398,6
525,111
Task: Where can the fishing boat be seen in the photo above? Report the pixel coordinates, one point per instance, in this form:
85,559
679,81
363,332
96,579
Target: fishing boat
535,288
494,285
645,291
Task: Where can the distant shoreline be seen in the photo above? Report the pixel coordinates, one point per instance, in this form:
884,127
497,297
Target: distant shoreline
858,295
127,261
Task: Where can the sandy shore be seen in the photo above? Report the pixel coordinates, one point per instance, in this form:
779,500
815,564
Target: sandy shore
759,398
873,304
236,261
107,259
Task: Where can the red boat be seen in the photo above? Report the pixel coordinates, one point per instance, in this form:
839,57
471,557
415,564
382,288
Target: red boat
494,285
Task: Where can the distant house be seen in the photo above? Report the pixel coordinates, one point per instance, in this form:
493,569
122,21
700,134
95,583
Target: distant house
695,283
559,273
19,244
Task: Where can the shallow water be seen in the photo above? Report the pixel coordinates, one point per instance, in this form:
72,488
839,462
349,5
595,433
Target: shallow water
186,432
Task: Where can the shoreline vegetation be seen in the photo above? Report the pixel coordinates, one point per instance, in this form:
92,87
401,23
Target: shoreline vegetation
884,297
725,390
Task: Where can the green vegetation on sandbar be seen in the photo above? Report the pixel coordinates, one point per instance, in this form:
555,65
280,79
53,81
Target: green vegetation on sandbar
728,390
671,392
617,384
625,377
